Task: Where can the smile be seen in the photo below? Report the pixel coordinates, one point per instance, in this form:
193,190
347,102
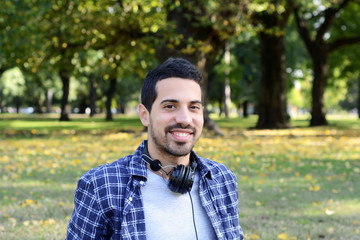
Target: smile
181,136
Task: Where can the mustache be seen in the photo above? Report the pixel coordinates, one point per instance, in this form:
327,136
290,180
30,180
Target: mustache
179,126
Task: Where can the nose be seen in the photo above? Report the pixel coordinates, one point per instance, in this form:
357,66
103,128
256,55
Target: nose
183,117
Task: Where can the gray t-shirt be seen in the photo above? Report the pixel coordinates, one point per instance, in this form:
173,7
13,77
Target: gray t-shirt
169,215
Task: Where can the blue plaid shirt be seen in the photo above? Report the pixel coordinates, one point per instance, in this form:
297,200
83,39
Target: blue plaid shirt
108,202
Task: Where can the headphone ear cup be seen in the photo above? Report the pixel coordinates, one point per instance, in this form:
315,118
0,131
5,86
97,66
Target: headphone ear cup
176,178
182,179
187,181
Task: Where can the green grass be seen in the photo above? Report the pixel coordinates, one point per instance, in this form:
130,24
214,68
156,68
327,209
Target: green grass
24,124
29,125
298,183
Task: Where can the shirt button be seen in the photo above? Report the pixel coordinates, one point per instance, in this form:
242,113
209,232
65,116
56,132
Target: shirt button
130,199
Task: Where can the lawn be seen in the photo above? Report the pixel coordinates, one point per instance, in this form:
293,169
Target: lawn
299,183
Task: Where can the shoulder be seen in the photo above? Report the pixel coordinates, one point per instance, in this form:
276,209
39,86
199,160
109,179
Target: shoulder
110,172
118,172
217,171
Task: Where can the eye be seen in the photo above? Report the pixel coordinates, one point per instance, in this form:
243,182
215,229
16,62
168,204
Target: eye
169,106
195,107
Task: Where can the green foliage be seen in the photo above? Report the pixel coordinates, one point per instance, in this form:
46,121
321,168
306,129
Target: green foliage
12,88
246,88
123,39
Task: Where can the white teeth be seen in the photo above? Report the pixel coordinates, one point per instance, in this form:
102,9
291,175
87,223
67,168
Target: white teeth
181,134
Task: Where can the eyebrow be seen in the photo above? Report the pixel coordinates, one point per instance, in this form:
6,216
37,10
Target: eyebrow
176,101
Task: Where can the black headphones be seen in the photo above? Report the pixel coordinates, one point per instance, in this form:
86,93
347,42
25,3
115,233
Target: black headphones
181,178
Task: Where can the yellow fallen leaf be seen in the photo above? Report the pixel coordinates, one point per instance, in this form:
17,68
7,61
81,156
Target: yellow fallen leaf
272,167
48,222
314,188
253,161
308,176
262,175
283,236
254,237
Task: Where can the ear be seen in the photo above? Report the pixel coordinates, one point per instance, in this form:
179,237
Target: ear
144,115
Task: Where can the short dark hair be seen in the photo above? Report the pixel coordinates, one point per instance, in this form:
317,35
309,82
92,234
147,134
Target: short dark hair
172,67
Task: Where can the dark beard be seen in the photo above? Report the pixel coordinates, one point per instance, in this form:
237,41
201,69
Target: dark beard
166,148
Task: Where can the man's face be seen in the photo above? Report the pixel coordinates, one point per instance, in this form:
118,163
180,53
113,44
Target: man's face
176,118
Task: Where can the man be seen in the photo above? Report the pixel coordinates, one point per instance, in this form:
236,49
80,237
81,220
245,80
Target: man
164,190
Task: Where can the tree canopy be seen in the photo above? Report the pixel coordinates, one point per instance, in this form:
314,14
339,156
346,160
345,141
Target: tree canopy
95,54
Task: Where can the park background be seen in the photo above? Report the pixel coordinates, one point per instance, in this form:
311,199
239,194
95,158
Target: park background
281,87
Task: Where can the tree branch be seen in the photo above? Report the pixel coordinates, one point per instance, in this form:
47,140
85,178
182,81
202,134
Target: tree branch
285,16
303,31
343,42
120,4
330,14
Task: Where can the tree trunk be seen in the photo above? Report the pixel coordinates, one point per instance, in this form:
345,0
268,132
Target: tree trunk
109,96
65,78
272,104
321,72
48,99
205,64
227,100
39,107
220,102
92,95
227,89
358,99
17,101
246,109
2,108
121,107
